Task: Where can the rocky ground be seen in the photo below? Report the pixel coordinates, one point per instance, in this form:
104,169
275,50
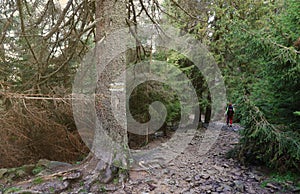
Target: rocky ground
213,172
189,172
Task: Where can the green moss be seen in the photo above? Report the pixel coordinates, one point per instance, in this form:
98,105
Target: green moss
37,170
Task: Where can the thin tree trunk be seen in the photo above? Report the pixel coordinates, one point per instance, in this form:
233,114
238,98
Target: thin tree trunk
208,109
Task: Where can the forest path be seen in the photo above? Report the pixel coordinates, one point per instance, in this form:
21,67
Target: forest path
190,172
209,173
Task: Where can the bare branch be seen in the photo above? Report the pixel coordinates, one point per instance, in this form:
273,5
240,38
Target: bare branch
19,4
147,13
61,18
39,20
186,12
6,26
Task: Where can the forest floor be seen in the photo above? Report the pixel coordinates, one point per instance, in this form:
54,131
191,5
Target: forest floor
213,172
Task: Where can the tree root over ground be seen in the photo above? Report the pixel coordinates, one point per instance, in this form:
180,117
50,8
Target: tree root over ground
92,175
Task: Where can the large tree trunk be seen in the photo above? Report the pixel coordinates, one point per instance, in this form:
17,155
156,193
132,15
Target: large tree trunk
111,16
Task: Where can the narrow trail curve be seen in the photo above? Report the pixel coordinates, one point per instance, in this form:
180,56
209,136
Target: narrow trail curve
210,173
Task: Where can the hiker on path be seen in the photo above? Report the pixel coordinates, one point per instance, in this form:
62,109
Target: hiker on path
229,113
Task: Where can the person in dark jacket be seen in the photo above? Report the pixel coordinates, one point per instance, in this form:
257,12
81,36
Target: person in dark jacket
229,113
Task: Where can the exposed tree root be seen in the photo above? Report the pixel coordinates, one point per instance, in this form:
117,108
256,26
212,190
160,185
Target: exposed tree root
91,175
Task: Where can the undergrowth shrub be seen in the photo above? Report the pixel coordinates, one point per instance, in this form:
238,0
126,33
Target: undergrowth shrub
34,130
262,141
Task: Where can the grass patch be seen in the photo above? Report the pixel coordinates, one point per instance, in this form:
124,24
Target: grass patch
51,189
116,181
12,190
82,191
61,178
81,183
287,180
264,184
281,178
102,189
38,180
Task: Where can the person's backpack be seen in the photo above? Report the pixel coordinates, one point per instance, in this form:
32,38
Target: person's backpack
230,111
